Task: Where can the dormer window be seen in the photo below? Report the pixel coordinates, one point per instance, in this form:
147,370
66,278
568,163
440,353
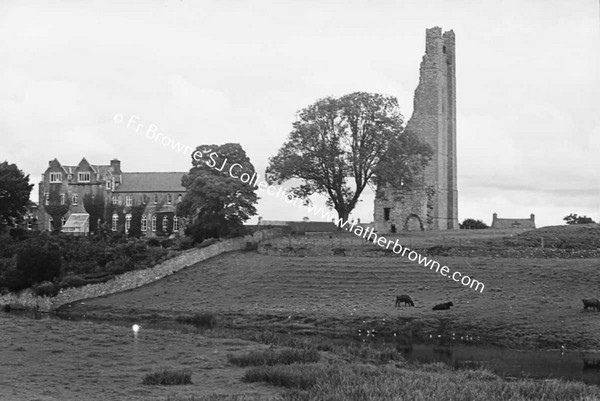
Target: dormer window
108,184
83,177
55,177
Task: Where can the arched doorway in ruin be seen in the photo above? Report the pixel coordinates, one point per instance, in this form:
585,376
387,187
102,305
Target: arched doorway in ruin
413,223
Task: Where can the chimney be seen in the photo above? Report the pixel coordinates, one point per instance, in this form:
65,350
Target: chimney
115,166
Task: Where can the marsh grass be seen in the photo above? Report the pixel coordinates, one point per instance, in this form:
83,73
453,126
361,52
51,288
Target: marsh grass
200,320
166,377
271,357
354,382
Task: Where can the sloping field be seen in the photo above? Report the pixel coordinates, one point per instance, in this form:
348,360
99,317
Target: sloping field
526,302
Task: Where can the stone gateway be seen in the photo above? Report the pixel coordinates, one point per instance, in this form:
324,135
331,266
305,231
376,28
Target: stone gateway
432,203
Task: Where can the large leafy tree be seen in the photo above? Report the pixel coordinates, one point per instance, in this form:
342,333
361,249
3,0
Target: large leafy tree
217,202
338,146
14,193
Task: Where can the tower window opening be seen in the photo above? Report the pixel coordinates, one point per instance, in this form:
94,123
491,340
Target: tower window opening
444,49
386,213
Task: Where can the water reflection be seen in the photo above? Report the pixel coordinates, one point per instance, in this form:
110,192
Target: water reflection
512,363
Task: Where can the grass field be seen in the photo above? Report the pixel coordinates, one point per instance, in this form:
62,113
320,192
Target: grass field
527,302
323,301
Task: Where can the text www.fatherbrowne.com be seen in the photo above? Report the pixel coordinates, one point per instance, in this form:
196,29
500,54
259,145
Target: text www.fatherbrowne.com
370,235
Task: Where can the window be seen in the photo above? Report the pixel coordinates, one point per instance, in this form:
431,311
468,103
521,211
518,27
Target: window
63,221
175,223
386,213
165,224
62,199
50,224
144,223
115,200
108,184
55,177
179,198
83,177
46,198
169,199
128,200
115,222
155,199
75,199
29,224
127,223
153,223
69,176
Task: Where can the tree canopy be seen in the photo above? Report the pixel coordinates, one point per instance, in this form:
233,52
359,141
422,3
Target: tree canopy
338,146
472,224
14,193
217,202
573,218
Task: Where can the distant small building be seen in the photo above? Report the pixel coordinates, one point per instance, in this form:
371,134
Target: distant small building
300,227
505,223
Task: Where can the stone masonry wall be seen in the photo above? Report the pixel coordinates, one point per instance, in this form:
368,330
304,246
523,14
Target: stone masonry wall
136,278
434,122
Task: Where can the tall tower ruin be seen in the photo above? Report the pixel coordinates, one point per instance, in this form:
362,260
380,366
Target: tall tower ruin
430,204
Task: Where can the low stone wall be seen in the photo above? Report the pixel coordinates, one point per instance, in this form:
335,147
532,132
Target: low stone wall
136,278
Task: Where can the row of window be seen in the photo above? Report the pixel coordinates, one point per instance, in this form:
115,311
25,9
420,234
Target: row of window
153,221
116,199
81,177
63,197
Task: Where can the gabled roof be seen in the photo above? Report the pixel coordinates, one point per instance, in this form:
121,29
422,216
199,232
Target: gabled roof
151,182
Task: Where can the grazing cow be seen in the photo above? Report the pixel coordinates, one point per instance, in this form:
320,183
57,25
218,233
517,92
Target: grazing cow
591,303
444,306
404,298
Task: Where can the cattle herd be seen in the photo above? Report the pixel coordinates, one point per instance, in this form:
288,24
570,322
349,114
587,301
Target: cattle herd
407,300
592,303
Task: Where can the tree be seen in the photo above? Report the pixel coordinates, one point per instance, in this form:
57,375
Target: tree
14,194
574,219
94,205
360,138
219,197
57,207
472,224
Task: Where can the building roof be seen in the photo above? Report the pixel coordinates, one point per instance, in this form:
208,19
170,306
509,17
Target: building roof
76,220
151,182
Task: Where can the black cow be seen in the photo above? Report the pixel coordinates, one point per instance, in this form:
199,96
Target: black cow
591,303
404,298
444,306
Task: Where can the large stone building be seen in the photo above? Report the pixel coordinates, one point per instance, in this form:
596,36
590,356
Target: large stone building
430,204
158,192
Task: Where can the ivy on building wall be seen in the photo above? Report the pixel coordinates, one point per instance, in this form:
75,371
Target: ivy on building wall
55,208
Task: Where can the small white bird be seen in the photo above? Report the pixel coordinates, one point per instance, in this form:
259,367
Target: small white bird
136,328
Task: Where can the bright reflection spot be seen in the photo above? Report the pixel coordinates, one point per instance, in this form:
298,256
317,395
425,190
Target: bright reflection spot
135,328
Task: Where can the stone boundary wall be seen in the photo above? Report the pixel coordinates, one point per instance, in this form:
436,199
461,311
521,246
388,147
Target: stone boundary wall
135,278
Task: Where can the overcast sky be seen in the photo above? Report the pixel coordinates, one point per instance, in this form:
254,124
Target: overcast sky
203,72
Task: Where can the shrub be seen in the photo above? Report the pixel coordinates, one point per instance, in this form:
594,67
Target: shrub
153,242
18,234
166,377
472,224
270,357
207,242
185,243
251,246
206,320
39,264
72,281
14,280
46,289
289,376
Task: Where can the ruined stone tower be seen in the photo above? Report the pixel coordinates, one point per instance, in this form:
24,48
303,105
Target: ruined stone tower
430,204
